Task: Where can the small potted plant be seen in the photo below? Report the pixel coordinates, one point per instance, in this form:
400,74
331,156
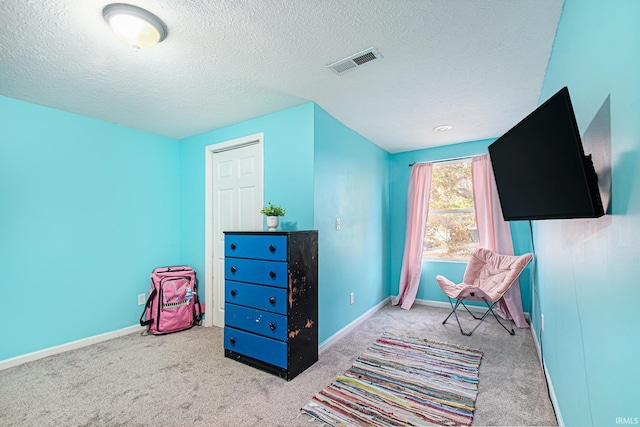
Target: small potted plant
272,213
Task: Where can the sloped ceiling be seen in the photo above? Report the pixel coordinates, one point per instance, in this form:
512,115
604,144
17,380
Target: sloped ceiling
475,65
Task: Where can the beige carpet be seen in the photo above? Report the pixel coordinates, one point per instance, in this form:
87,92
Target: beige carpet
183,379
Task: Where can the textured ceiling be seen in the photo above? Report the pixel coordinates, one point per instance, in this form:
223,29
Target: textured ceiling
475,65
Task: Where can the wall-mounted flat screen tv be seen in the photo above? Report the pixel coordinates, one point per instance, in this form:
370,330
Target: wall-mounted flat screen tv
541,169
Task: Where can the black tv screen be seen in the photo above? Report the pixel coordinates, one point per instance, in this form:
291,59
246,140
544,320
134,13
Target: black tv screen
540,167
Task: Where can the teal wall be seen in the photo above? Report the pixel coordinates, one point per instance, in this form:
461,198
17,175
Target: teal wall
87,210
311,161
351,182
453,270
86,196
288,174
587,270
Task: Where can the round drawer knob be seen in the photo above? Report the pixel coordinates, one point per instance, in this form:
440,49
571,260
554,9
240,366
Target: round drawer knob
272,248
233,246
272,300
272,274
233,269
232,340
233,292
272,326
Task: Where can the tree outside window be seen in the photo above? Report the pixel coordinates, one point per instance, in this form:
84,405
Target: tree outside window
451,222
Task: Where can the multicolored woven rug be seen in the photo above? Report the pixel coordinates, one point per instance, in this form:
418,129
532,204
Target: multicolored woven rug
402,381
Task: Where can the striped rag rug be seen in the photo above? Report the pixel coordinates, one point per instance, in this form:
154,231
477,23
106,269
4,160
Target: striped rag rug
402,381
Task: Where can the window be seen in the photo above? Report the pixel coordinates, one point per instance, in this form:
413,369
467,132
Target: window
451,222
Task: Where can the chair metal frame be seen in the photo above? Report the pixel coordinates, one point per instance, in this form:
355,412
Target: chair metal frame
481,319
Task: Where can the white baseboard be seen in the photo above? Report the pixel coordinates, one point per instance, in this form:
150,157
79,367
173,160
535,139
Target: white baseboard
30,357
552,393
342,332
537,343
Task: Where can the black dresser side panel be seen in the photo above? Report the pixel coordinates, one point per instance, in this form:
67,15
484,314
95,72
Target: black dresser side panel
303,300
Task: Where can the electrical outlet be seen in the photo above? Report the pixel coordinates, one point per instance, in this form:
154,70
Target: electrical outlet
338,225
542,322
141,299
351,298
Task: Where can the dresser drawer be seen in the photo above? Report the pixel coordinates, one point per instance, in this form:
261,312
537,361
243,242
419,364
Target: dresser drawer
271,248
272,273
258,296
261,348
261,322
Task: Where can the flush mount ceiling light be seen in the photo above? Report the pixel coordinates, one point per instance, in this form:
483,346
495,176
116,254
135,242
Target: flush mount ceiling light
135,26
442,128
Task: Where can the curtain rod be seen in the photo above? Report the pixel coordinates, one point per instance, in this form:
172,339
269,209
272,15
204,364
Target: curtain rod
447,160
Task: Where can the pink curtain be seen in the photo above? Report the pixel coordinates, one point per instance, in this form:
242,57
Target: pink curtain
494,232
417,208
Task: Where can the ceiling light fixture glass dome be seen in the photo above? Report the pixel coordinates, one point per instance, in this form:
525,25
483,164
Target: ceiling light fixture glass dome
135,26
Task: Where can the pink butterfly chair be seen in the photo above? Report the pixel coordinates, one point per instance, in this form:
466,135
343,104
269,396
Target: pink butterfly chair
487,277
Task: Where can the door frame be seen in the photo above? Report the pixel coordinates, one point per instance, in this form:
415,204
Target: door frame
209,231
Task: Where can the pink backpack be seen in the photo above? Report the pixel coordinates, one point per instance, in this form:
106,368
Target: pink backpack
173,303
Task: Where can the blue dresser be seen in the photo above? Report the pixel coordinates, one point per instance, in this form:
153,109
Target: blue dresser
271,300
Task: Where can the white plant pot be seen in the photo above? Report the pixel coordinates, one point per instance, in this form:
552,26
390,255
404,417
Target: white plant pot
272,223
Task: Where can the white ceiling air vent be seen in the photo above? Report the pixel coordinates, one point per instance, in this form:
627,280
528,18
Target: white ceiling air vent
355,60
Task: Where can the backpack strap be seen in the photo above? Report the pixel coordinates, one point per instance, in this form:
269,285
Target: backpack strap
197,307
147,306
199,312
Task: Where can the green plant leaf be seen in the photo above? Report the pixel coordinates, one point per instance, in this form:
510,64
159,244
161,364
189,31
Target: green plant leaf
273,210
